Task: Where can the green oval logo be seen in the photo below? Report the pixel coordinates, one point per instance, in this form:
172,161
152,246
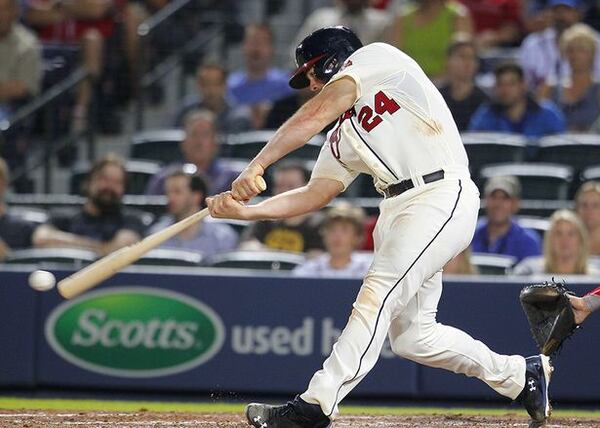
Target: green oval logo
135,332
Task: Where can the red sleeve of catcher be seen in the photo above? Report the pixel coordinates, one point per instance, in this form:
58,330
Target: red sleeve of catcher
594,292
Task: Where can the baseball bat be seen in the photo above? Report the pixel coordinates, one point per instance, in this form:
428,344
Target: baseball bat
102,269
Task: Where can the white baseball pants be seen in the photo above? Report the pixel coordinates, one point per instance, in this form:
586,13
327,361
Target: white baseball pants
416,234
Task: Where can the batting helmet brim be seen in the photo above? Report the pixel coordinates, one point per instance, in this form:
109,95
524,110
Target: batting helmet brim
299,79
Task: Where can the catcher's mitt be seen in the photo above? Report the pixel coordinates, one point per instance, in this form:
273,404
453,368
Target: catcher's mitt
549,313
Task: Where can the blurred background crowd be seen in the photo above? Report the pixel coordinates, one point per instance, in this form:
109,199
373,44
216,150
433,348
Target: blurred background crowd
119,117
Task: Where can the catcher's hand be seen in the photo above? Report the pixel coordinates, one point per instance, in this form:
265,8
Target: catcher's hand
549,313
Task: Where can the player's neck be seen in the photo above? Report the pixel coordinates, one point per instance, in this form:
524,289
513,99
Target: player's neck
2,209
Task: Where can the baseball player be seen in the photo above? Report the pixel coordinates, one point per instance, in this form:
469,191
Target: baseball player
393,124
584,306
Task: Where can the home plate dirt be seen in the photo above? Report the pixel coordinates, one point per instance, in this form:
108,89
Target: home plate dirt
41,419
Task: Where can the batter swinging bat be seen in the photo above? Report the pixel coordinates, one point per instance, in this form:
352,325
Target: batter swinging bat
107,266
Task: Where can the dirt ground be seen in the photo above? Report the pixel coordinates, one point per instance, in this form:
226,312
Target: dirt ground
41,419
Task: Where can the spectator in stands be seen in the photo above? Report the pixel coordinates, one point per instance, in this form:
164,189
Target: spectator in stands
102,225
425,31
497,22
199,148
21,65
369,24
540,54
587,204
514,110
185,196
461,93
297,234
211,80
578,96
86,23
500,233
259,84
15,233
342,232
565,249
135,13
461,264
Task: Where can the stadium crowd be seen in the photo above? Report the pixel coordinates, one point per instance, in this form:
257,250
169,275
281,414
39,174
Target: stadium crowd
516,67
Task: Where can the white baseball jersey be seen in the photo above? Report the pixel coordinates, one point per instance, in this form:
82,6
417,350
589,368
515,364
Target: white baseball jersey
400,126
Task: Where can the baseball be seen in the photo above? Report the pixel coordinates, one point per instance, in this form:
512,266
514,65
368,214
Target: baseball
41,280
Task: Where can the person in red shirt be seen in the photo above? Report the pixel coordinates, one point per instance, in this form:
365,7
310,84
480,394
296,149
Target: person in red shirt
584,306
497,22
86,23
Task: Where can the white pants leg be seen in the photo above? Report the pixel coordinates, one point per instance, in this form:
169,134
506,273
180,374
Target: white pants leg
416,335
416,234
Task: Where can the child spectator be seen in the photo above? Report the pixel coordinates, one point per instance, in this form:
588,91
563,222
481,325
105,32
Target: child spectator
342,232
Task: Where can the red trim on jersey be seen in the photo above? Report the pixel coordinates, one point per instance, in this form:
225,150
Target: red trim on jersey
594,292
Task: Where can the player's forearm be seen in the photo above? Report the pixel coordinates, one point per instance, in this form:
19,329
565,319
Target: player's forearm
308,121
292,135
309,198
593,300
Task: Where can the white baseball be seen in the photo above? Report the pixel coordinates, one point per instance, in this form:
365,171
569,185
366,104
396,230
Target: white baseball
41,280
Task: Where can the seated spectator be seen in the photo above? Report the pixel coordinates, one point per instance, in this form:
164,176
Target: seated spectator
540,55
135,13
461,264
459,90
497,22
185,196
565,249
15,233
342,232
21,65
298,234
102,224
513,110
425,31
211,82
259,84
86,23
199,148
587,204
369,24
500,233
578,96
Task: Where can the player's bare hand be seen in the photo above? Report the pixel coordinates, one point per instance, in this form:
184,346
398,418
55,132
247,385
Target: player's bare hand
245,187
580,308
224,205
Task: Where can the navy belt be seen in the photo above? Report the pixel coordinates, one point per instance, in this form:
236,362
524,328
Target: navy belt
401,187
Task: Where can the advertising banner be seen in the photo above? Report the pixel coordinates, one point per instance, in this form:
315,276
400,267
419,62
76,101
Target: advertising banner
189,331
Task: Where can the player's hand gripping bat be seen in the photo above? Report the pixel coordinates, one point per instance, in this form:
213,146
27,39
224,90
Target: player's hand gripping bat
107,266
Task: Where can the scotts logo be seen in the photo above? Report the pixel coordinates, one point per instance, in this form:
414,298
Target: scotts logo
135,332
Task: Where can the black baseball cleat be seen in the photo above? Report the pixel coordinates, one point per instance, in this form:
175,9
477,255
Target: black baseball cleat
295,414
535,393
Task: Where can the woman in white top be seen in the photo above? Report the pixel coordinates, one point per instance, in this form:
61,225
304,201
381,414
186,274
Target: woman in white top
565,249
342,232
